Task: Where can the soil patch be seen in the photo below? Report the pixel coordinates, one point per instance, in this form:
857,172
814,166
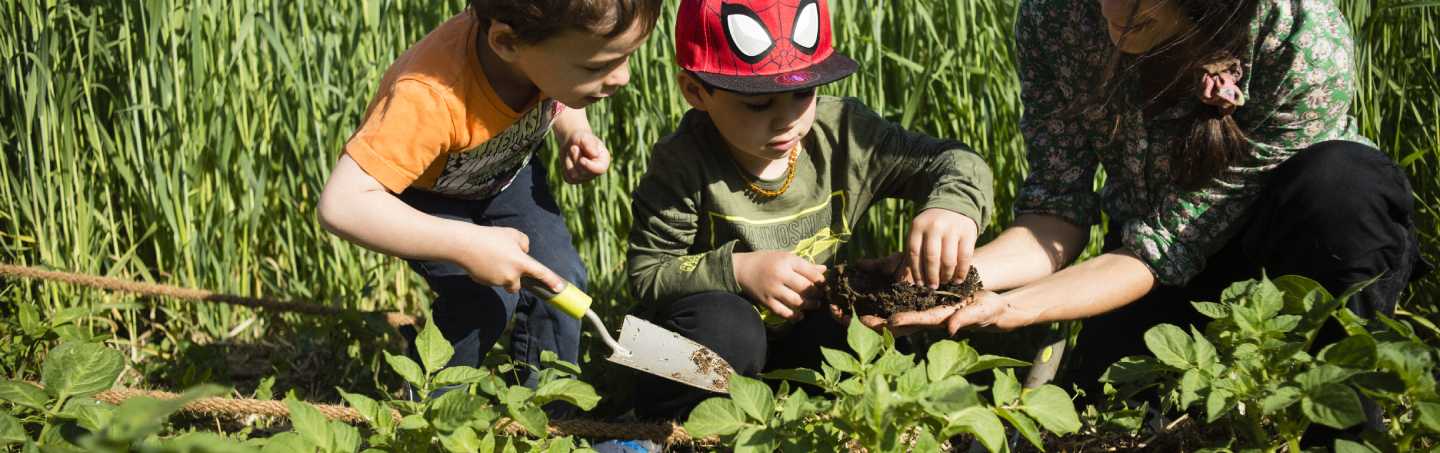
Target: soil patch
878,294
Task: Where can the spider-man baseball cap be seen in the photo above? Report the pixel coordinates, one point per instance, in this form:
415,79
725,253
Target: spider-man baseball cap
759,46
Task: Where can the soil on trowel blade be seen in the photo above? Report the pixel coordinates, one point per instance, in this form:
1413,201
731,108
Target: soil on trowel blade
878,294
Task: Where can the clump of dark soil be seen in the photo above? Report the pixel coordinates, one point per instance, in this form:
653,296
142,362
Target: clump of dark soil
878,294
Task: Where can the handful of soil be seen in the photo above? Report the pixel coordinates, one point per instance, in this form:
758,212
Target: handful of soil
878,294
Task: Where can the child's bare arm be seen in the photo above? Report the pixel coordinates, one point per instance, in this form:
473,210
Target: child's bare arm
358,208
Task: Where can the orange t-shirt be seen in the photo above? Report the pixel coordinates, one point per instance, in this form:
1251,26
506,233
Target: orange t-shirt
436,124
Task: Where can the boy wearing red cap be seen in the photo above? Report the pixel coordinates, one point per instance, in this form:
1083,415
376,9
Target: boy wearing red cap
762,163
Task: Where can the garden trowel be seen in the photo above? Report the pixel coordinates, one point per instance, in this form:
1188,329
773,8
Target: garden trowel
645,346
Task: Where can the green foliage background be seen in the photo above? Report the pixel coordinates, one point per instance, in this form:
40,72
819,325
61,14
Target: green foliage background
184,142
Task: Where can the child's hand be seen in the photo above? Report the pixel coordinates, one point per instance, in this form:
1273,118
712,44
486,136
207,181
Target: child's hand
939,249
779,280
585,157
499,256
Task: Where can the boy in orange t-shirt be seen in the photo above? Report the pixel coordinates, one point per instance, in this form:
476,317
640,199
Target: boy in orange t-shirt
440,171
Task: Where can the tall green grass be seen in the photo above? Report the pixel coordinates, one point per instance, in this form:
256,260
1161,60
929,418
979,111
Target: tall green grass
184,142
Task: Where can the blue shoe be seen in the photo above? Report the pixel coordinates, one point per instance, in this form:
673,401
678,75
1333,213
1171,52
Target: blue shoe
627,446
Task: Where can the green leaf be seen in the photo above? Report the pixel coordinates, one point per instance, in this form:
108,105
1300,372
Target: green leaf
1171,345
1356,351
1217,404
925,441
1333,405
137,418
1023,424
81,369
1205,356
1050,406
310,424
287,442
1348,446
1280,399
90,414
952,394
892,363
990,362
1133,369
413,422
865,342
347,438
1212,310
1006,388
1192,386
11,432
801,375
946,356
982,423
407,369
1324,374
753,397
841,360
434,350
1429,415
378,415
463,439
1409,360
715,417
755,439
573,391
531,417
453,410
460,375
550,359
24,394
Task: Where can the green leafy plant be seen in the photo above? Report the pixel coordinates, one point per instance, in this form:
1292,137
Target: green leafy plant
472,416
1252,370
863,395
69,419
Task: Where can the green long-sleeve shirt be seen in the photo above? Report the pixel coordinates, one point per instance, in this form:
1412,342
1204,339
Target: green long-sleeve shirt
692,210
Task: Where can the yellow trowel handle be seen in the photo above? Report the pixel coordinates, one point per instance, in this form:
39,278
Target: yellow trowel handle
575,303
570,299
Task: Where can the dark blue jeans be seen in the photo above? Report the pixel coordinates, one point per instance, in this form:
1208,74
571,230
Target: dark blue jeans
472,316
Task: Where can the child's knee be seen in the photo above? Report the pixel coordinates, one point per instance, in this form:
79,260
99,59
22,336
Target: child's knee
726,323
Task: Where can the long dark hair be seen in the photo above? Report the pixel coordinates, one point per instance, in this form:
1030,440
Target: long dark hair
1173,69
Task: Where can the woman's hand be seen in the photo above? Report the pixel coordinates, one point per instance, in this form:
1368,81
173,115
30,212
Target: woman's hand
939,248
989,311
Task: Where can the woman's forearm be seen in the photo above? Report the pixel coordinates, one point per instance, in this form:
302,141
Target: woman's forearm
1096,286
1034,247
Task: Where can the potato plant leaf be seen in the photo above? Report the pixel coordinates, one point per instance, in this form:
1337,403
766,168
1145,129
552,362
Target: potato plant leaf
715,417
81,369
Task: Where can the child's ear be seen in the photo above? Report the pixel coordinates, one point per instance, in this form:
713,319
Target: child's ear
502,40
692,89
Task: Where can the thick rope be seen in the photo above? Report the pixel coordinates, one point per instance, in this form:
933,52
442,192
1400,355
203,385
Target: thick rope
668,433
394,319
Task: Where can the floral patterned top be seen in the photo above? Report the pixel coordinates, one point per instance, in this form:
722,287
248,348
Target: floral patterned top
1298,77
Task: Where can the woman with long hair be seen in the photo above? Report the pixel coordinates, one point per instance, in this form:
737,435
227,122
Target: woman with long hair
1227,150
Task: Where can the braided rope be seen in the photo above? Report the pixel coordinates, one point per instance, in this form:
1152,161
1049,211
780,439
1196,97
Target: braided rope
667,433
394,319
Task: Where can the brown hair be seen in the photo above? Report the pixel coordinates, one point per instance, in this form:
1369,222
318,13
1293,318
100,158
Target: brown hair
537,20
1173,69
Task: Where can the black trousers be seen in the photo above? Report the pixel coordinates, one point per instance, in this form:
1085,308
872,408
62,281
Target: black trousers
729,325
1337,212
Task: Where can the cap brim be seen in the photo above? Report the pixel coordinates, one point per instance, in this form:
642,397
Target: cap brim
836,67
